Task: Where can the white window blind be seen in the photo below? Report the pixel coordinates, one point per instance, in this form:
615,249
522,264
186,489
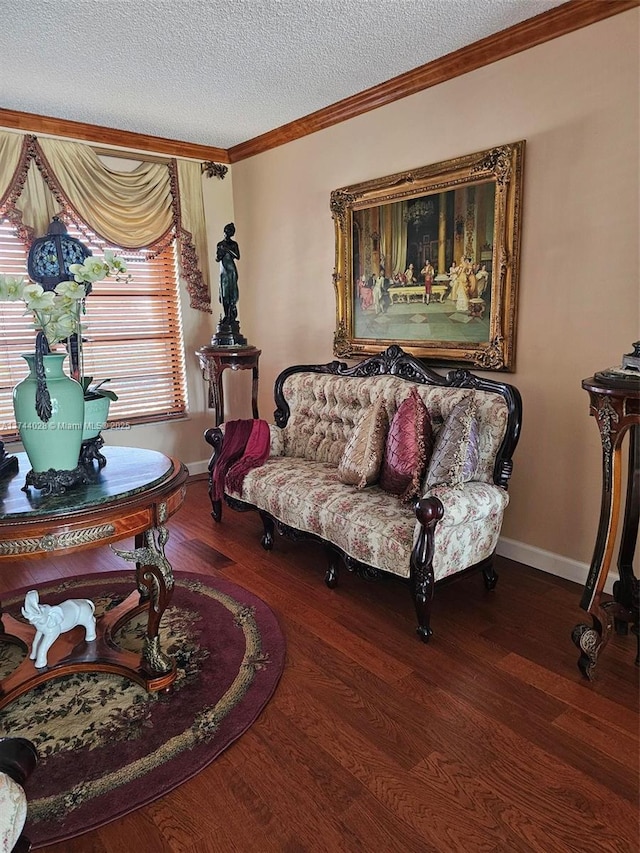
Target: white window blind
133,335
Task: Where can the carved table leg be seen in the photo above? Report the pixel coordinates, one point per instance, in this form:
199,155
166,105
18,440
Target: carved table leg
154,578
591,640
635,611
623,589
588,640
216,394
219,391
254,391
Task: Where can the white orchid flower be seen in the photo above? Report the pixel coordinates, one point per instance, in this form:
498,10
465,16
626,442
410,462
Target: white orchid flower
31,290
96,269
10,288
57,312
71,289
61,328
115,263
79,273
38,300
93,269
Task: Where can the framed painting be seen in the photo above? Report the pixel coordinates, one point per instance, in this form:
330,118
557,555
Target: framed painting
428,259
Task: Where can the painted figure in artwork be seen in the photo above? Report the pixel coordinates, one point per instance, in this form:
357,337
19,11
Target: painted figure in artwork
472,283
429,273
459,292
378,292
365,293
227,253
482,279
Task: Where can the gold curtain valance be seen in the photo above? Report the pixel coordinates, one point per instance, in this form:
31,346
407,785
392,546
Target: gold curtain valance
142,209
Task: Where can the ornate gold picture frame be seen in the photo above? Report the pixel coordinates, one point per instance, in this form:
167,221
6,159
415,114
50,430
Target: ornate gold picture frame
428,259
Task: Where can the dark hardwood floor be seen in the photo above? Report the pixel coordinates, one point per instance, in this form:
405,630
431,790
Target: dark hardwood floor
487,739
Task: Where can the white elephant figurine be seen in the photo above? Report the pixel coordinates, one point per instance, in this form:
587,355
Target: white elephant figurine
51,621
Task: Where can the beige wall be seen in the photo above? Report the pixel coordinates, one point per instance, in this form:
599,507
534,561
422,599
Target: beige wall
575,101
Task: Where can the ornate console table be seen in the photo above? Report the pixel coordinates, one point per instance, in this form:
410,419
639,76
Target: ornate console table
615,403
133,495
215,360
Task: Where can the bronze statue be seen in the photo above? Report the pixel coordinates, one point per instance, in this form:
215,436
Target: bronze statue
227,252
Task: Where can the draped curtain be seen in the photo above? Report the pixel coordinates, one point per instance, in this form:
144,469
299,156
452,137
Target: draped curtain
144,209
399,239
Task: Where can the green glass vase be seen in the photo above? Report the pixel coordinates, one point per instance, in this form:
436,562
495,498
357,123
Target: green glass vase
96,412
56,442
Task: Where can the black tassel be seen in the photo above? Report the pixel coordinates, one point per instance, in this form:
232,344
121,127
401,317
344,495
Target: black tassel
43,400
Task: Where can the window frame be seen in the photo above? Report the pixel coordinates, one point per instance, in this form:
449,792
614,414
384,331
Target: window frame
160,324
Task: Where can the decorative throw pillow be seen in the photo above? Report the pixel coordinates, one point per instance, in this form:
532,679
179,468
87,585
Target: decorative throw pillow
408,448
360,463
456,452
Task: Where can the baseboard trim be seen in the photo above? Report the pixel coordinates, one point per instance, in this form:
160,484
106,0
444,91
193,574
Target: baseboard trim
546,561
196,468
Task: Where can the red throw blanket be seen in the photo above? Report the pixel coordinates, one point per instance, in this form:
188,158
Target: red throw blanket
246,445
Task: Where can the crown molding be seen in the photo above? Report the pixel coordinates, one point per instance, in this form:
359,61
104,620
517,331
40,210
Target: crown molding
549,25
31,123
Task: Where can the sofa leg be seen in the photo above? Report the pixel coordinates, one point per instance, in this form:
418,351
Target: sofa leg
267,539
331,576
216,510
490,576
422,590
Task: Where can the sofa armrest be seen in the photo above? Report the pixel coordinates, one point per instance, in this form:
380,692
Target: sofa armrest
464,523
13,811
472,501
215,435
277,440
18,758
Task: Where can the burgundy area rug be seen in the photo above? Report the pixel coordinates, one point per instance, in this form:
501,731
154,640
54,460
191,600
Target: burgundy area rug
108,747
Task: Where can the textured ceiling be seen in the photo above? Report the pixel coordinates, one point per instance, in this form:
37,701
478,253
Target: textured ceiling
220,73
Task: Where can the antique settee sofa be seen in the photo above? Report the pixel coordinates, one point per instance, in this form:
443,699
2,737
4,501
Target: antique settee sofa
355,463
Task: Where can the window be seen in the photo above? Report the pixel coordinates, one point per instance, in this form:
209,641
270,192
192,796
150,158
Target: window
133,335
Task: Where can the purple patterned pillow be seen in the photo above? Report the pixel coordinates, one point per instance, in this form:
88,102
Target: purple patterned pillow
408,448
456,453
360,463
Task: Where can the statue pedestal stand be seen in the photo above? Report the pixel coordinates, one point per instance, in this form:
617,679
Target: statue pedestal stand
228,335
217,358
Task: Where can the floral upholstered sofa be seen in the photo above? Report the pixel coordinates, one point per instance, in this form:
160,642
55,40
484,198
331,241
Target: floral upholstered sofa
397,469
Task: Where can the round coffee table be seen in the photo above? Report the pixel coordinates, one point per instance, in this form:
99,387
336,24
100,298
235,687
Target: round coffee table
133,495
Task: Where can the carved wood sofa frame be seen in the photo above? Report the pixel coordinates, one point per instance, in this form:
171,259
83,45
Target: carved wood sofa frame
429,510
